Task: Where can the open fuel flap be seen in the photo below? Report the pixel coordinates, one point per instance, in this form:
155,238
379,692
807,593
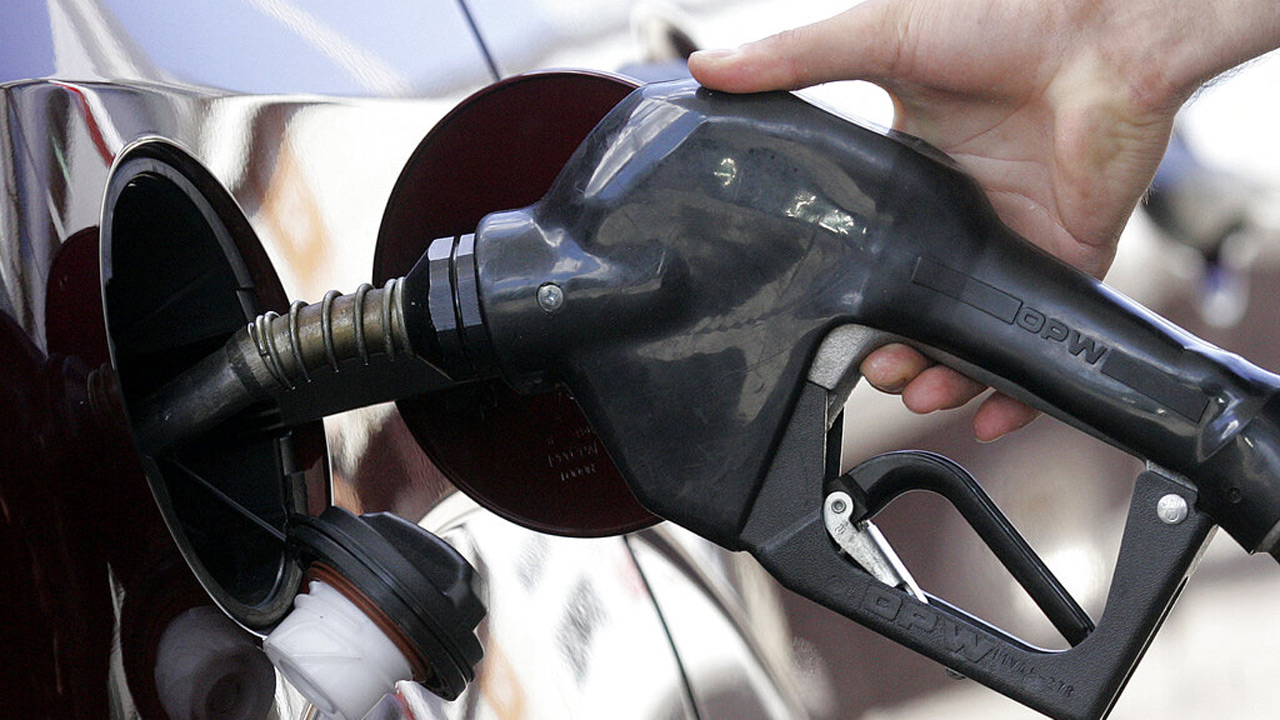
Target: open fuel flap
349,605
182,271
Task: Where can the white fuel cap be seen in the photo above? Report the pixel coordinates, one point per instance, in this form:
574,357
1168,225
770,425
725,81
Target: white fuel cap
335,655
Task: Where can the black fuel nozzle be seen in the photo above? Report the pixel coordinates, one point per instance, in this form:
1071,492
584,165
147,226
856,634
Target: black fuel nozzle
688,278
681,273
701,246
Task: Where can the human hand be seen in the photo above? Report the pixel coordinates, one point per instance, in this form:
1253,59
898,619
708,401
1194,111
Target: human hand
1060,110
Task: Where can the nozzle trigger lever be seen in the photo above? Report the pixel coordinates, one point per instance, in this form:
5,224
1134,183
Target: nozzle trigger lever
863,542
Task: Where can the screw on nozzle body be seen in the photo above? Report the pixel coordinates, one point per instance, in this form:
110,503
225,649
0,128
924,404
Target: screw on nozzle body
550,297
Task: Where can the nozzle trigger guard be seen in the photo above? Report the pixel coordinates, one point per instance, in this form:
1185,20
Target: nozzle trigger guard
880,480
786,532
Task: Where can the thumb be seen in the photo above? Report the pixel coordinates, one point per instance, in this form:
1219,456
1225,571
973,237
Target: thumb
861,43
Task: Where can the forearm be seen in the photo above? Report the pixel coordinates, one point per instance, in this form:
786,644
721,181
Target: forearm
1173,47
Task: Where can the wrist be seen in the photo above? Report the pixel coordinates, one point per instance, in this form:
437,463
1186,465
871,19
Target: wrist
1191,43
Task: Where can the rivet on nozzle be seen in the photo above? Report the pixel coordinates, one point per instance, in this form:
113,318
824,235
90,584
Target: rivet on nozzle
550,297
1172,509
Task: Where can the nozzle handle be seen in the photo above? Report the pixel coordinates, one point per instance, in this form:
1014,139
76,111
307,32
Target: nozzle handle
1009,314
703,245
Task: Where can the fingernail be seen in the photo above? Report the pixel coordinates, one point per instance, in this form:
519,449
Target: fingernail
1021,423
713,55
892,387
884,375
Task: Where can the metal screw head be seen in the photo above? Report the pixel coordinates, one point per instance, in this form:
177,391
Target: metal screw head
550,297
1172,509
838,507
